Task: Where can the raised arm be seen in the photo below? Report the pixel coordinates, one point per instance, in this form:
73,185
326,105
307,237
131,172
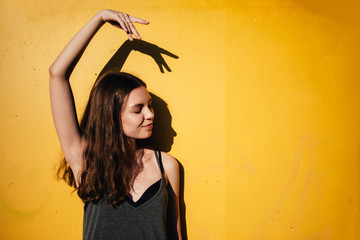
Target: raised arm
62,102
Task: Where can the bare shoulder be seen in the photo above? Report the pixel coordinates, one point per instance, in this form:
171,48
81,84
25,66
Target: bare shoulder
171,165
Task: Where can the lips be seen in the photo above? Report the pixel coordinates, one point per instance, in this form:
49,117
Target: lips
150,125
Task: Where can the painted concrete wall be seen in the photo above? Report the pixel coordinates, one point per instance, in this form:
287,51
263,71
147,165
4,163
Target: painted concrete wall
264,98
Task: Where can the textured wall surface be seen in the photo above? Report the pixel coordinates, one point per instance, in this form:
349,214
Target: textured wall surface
264,98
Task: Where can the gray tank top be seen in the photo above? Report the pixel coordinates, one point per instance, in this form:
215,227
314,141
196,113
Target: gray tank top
129,220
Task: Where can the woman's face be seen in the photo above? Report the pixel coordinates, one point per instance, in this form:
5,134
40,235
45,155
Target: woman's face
137,114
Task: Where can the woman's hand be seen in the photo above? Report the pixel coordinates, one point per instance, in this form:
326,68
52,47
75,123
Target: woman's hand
123,21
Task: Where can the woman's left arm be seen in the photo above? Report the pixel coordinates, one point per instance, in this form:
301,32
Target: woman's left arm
171,168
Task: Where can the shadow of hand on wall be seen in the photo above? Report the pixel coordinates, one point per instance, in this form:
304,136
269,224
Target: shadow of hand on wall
118,59
163,133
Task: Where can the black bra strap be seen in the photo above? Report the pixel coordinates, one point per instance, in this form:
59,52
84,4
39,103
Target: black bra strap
159,161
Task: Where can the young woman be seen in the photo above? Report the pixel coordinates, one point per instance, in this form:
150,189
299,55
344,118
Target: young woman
129,192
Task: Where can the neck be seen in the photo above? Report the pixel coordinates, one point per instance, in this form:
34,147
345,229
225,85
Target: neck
139,151
132,144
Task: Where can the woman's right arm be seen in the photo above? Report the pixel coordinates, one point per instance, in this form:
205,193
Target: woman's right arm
62,102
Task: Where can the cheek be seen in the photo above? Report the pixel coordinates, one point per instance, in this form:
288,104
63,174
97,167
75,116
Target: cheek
131,122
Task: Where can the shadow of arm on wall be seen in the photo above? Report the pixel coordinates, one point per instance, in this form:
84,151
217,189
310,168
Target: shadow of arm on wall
171,218
117,61
182,203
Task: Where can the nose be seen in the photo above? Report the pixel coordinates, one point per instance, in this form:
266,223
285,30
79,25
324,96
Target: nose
149,113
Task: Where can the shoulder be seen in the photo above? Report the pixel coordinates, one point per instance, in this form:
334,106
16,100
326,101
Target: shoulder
171,166
169,162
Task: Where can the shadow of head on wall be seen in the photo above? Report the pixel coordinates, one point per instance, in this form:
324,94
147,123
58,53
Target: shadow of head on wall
163,133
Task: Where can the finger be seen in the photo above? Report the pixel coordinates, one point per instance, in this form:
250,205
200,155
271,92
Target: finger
158,61
138,20
163,51
166,66
132,27
130,37
160,67
121,23
162,62
115,24
128,30
125,25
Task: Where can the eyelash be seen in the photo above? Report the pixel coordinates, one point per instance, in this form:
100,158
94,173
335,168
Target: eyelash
149,106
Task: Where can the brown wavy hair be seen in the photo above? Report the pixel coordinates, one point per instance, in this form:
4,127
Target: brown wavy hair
109,159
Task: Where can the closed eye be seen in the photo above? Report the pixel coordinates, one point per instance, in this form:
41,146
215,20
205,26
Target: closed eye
138,110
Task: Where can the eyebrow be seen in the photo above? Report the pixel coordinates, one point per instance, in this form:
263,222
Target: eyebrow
137,105
140,104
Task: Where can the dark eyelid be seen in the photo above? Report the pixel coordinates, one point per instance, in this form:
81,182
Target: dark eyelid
137,108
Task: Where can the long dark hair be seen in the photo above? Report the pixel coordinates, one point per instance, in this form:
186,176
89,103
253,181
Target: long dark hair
109,165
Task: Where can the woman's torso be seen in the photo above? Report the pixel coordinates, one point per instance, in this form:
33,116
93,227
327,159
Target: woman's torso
142,219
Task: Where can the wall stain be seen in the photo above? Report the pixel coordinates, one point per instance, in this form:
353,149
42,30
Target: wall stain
307,145
6,205
241,155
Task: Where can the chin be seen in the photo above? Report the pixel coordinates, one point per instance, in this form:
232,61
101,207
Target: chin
145,136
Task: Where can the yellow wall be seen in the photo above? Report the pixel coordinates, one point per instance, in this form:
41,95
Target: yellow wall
264,98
